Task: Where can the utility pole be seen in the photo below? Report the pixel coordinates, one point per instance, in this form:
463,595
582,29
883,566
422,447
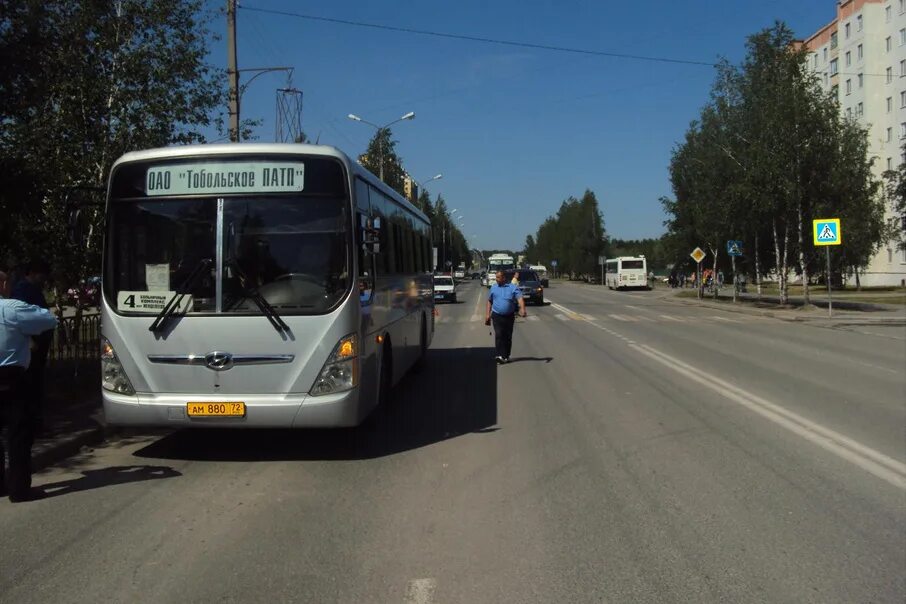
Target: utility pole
233,71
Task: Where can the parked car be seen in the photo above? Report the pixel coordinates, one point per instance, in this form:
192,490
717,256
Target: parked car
444,288
530,284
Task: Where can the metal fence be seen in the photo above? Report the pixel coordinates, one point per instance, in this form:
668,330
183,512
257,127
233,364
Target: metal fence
76,338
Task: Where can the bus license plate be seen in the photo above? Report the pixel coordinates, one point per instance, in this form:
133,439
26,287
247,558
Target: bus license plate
231,409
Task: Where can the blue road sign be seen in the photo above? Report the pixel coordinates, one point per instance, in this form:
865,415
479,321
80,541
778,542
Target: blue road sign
553,263
827,231
734,248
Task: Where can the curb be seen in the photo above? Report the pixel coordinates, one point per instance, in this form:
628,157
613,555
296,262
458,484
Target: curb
842,320
47,452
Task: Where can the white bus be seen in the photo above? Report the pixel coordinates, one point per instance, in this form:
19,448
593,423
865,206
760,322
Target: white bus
258,285
499,262
625,272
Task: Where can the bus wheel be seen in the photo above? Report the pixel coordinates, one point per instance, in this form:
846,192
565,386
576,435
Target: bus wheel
386,377
422,348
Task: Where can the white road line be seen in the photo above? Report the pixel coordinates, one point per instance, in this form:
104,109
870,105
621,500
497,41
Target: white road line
476,318
623,318
633,307
669,318
875,462
562,317
589,318
420,591
724,319
533,318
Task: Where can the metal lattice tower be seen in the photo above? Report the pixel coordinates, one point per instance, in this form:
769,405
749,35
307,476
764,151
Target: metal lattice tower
289,115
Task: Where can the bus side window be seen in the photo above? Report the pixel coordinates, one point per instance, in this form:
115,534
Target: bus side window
365,277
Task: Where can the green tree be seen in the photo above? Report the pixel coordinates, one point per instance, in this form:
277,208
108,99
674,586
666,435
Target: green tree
87,81
381,151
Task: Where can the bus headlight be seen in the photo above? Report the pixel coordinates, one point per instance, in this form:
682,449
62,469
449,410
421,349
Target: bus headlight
340,372
113,377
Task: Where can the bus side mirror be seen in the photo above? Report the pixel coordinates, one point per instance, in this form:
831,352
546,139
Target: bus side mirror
371,231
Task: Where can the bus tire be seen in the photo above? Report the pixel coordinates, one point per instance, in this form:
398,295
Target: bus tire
386,378
422,360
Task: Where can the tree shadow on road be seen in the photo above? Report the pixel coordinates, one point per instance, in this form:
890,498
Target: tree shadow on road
96,479
456,394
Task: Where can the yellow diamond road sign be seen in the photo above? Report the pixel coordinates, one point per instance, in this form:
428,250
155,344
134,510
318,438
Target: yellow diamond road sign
697,254
827,231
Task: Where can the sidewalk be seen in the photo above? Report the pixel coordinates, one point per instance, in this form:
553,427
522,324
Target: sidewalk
73,415
845,311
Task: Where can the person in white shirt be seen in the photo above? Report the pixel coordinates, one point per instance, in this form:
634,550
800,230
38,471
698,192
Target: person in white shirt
18,323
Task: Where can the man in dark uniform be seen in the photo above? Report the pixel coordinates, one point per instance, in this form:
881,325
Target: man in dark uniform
503,298
18,322
30,289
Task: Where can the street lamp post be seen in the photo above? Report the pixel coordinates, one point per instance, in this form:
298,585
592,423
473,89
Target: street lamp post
408,116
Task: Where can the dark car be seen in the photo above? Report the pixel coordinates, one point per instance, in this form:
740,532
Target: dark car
530,284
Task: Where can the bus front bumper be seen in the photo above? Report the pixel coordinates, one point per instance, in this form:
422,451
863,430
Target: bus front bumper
271,411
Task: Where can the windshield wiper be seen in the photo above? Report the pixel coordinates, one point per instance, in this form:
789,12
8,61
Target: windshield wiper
173,303
252,294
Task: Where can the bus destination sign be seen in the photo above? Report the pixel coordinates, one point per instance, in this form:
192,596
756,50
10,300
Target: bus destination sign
224,178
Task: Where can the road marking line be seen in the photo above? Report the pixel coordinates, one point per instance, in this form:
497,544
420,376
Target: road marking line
589,318
562,317
633,307
875,462
623,318
726,320
533,318
475,318
420,591
669,318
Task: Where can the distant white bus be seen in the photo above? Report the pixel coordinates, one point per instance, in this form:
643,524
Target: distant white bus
499,262
625,272
258,285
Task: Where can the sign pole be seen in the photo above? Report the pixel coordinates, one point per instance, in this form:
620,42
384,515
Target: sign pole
830,312
735,280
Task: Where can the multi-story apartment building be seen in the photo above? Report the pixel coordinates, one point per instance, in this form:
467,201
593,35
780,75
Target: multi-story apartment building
861,57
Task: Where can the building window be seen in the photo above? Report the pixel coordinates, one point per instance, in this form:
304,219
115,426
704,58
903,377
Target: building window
887,44
903,68
889,104
889,138
849,86
859,78
846,29
903,130
902,6
825,79
815,62
833,40
848,59
887,14
889,74
835,91
825,54
902,36
858,22
833,67
859,110
859,52
903,99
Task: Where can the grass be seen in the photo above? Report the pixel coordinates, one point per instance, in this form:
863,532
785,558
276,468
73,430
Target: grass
868,299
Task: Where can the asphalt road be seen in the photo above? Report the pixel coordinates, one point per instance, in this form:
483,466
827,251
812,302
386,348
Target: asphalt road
636,450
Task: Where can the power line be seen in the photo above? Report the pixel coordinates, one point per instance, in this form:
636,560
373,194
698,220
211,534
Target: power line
422,32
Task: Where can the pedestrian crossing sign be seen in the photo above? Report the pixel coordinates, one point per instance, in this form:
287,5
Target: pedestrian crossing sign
827,231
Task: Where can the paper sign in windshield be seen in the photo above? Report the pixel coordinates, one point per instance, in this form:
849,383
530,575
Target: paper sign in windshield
150,302
225,178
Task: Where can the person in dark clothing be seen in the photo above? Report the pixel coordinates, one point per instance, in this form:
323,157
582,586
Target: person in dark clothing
18,322
502,302
30,289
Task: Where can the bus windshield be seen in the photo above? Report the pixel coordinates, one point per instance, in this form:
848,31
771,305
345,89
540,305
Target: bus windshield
291,249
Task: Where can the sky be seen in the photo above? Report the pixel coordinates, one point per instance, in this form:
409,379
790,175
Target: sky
514,130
